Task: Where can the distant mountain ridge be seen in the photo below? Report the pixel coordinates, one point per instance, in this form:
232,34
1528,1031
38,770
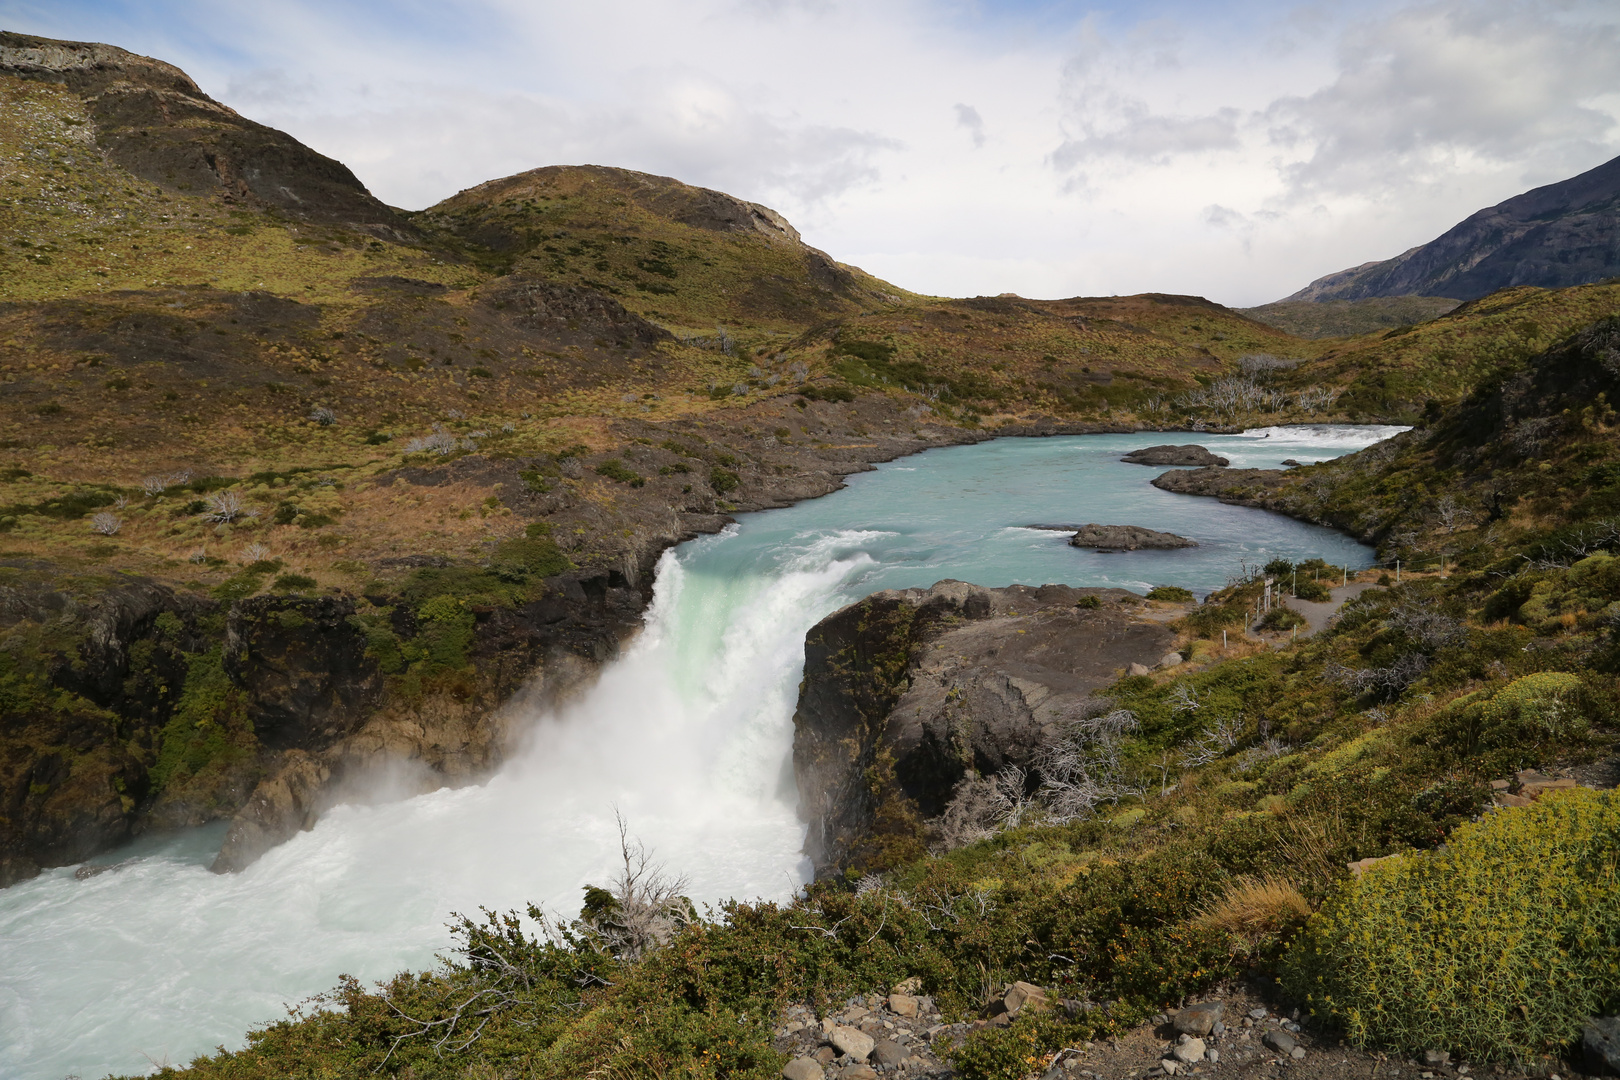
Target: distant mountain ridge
1551,237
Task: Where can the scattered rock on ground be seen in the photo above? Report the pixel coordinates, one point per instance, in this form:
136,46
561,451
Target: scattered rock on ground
1600,1045
852,1041
889,1053
1022,995
803,1069
1199,1019
1190,454
1128,538
1139,669
1190,1051
1279,1040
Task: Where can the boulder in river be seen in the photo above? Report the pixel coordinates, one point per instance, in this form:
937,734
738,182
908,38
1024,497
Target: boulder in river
1191,454
1127,538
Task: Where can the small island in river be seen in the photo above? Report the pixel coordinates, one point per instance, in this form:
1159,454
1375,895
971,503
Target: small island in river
1127,538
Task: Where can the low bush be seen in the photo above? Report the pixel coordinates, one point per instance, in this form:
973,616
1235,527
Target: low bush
827,393
614,469
1497,946
1281,618
1170,593
1313,591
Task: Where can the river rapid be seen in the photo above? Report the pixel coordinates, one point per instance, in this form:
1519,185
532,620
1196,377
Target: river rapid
688,735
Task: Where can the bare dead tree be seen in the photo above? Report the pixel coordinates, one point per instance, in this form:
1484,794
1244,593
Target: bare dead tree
643,909
226,506
1219,738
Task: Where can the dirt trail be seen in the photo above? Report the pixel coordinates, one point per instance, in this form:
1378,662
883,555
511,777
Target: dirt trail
1317,613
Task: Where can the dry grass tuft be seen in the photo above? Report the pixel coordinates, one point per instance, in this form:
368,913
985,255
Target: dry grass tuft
1257,908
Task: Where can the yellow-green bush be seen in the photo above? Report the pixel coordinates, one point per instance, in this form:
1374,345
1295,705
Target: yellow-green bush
1498,945
1539,710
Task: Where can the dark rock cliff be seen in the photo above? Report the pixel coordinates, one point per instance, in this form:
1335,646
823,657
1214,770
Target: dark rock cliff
905,693
1551,237
127,705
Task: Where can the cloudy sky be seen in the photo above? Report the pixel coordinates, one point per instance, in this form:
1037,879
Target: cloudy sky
1234,150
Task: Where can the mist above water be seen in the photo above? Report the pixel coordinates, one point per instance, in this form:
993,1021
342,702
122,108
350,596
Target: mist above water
688,735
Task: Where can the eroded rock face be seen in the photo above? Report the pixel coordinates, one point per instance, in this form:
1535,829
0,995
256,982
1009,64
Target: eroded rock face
908,690
1189,454
1127,538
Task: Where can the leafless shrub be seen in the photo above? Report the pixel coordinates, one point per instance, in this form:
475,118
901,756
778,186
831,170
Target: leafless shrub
1215,742
979,808
1384,682
1528,435
453,414
1265,751
644,907
226,506
1452,514
106,524
1264,364
323,416
439,442
868,883
1081,768
255,552
1317,398
121,503
157,485
1183,699
1428,627
508,427
200,555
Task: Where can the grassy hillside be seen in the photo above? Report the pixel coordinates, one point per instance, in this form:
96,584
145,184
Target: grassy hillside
1348,318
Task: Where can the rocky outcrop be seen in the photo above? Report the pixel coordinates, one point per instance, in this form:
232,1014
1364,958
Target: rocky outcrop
1243,486
1127,538
129,705
908,691
1189,454
153,120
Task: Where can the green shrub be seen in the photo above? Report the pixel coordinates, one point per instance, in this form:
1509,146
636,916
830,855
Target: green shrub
533,556
1171,593
289,582
1535,713
1009,1053
1314,591
827,393
1088,603
723,480
614,469
1282,618
873,352
1497,946
445,633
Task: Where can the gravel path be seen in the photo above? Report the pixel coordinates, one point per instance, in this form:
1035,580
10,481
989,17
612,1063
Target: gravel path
1317,614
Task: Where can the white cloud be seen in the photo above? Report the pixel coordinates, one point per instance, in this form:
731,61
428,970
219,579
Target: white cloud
1236,151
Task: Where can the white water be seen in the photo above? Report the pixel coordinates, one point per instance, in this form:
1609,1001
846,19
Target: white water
688,735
